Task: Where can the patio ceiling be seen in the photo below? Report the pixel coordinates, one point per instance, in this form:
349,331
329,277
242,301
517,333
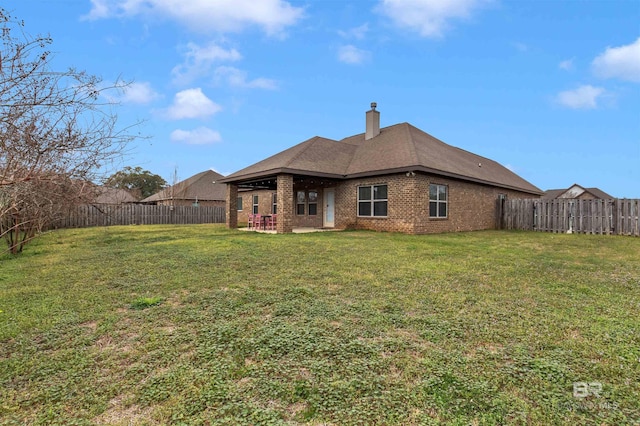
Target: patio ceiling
301,181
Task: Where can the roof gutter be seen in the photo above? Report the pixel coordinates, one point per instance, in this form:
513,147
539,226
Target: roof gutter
278,171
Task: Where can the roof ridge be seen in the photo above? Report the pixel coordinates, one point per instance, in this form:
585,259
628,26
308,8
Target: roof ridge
362,133
414,150
452,146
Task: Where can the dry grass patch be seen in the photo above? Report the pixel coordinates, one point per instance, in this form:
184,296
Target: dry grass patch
121,412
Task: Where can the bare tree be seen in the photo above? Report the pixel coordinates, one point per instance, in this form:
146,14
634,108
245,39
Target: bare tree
58,132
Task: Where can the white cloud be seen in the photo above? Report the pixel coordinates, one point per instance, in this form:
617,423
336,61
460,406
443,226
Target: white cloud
566,65
198,136
621,62
430,18
235,77
357,32
207,16
520,47
584,97
350,54
139,93
198,61
99,10
191,103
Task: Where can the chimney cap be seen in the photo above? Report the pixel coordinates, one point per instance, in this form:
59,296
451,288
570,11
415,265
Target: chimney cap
373,106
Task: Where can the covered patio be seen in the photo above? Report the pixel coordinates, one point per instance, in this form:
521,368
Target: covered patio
296,203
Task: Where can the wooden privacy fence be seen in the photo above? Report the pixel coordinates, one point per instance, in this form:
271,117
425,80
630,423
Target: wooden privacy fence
139,214
607,217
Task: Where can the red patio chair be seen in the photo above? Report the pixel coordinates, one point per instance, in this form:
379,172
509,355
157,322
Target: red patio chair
250,222
272,222
257,221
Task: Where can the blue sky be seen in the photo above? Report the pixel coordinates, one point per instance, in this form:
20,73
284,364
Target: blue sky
548,88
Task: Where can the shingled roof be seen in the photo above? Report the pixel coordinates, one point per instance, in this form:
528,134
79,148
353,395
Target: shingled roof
398,148
105,195
575,191
203,186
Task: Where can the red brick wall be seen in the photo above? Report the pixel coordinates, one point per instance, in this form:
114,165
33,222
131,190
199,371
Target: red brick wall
265,202
470,206
231,212
307,220
285,208
401,205
265,199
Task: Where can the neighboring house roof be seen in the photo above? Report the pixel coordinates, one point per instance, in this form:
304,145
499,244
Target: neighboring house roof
105,195
553,193
398,148
598,193
575,191
203,186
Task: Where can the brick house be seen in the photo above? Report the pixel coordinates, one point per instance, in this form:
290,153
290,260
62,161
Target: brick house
202,189
397,178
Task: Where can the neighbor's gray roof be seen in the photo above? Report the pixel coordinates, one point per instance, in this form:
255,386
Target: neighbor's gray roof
106,195
200,186
398,148
596,192
553,193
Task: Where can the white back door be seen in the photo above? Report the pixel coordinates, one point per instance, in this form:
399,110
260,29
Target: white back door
329,208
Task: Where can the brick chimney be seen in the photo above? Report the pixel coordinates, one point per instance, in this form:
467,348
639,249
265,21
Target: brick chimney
373,123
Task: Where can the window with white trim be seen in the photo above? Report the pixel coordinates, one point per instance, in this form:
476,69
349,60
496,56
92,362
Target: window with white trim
274,203
372,200
307,203
301,202
239,204
438,201
255,204
312,205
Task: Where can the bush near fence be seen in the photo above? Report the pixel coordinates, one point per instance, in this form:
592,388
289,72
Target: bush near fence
604,217
140,214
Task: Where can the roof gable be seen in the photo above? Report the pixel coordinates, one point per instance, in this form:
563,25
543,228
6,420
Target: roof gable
574,191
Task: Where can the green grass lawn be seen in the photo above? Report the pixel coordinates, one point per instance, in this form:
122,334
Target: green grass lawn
203,325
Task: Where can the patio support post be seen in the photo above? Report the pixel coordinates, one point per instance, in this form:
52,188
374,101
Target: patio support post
285,204
232,206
